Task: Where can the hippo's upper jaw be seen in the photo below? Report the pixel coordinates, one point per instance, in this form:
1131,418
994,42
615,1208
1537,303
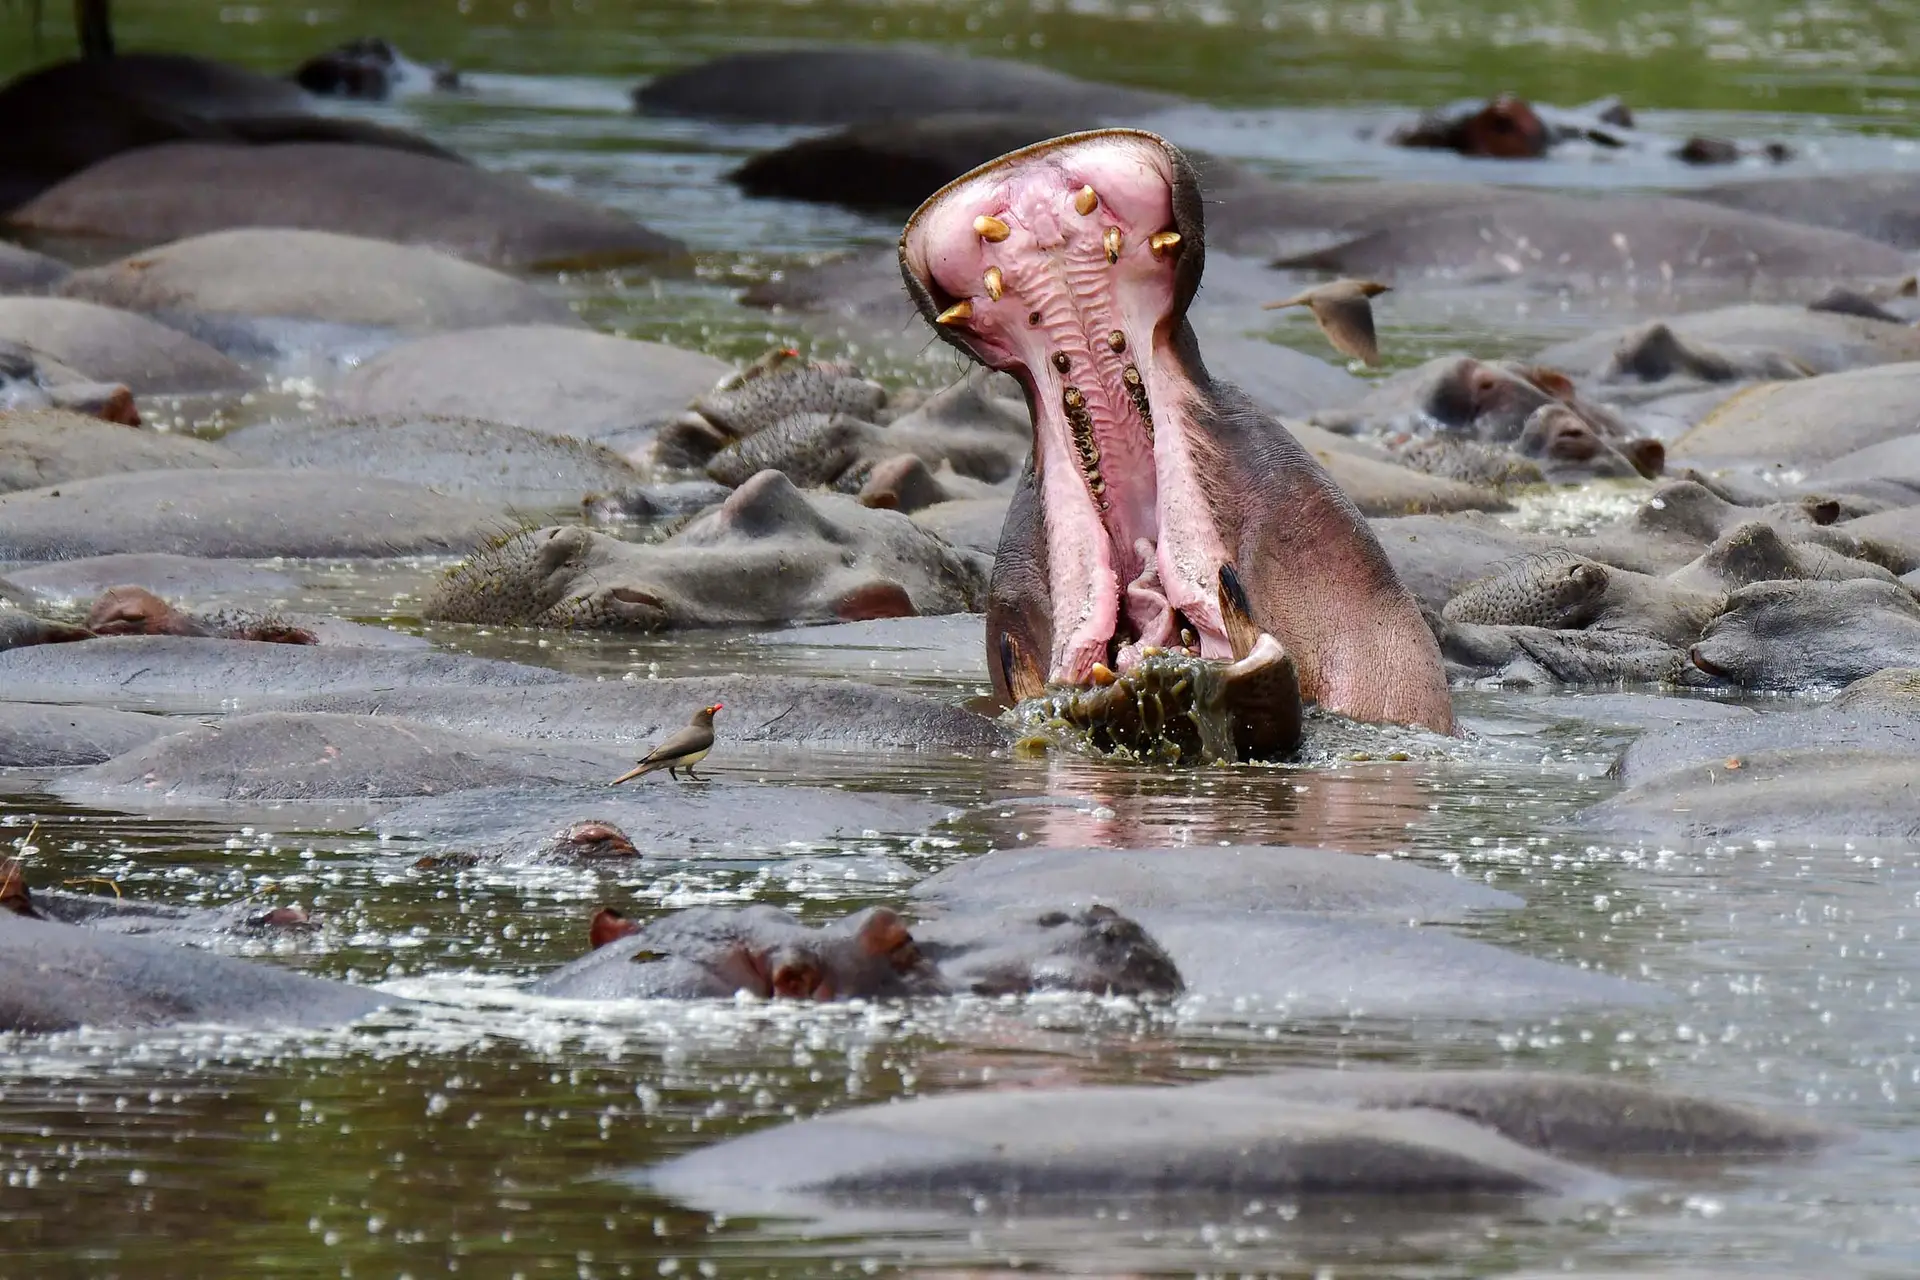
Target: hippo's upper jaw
1157,505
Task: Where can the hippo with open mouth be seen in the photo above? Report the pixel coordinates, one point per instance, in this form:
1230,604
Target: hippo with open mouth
1160,510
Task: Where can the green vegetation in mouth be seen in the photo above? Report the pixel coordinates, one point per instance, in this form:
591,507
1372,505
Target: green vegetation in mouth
1168,710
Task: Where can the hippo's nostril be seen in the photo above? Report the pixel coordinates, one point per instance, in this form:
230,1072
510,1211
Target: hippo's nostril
1693,656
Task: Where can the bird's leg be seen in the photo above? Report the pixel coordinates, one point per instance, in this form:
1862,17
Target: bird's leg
94,25
691,774
673,772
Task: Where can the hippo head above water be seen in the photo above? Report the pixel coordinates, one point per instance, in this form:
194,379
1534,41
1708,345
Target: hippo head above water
1157,504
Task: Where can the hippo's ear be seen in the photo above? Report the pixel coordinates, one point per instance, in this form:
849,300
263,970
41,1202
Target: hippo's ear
14,896
1648,456
884,933
878,599
609,925
1552,381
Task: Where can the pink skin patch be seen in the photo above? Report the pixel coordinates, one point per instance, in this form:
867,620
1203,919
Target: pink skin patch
1058,267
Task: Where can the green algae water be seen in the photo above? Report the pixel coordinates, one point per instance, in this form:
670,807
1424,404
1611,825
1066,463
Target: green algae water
482,1133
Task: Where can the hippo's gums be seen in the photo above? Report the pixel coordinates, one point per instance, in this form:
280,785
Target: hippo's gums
717,952
1156,500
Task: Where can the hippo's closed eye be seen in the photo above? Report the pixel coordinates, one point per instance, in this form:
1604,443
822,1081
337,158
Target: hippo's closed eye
647,957
1053,919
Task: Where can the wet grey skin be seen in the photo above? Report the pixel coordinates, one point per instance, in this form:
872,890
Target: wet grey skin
1808,634
90,970
1153,492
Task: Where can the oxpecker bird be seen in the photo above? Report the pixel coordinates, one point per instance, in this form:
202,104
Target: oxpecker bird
1344,314
683,750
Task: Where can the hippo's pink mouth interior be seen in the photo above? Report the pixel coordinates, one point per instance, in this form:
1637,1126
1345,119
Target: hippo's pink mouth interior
1057,265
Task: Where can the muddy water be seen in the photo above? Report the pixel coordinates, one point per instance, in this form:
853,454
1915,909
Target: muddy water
483,1133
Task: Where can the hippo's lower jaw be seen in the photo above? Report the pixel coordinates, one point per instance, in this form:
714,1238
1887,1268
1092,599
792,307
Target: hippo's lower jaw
1155,500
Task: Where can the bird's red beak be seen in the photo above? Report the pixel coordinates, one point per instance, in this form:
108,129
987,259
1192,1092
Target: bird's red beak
715,707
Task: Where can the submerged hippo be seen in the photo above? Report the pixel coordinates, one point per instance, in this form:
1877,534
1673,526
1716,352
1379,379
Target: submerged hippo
1157,502
720,951
130,916
92,961
371,69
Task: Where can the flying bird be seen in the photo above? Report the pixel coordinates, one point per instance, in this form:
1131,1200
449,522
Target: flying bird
1343,313
683,750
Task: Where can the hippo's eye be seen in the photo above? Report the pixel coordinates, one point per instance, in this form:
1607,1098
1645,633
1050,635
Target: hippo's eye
647,957
1052,920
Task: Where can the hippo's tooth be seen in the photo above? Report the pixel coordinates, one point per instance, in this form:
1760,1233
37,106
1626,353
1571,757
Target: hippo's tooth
958,313
1021,672
1237,613
1112,241
1118,341
1163,242
996,283
1137,393
1101,674
1086,200
991,229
